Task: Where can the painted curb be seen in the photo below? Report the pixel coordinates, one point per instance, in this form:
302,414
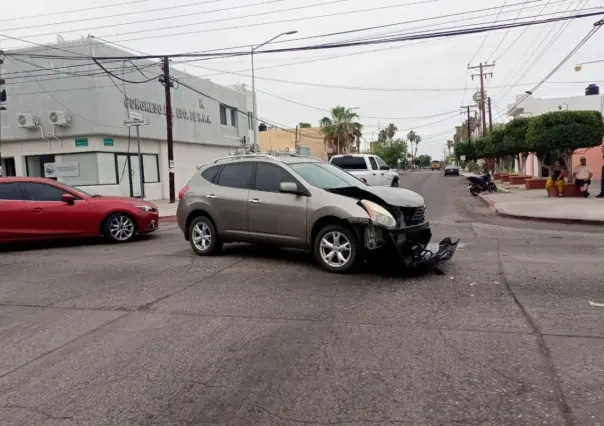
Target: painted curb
167,219
493,207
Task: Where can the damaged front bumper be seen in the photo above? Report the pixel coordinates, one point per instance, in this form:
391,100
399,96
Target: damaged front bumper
411,245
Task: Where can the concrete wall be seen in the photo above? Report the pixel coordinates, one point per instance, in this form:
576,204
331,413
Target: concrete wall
186,158
97,106
278,140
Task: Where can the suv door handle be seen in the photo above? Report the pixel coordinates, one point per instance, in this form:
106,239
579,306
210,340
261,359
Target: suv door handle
255,201
211,196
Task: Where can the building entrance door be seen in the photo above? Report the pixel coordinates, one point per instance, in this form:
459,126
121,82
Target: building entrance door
129,172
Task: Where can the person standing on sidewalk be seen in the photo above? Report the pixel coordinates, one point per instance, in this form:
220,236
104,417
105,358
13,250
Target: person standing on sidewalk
601,194
582,175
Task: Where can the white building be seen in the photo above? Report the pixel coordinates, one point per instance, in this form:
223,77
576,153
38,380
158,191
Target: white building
69,113
249,104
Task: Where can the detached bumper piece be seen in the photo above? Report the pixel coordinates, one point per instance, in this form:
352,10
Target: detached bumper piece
415,249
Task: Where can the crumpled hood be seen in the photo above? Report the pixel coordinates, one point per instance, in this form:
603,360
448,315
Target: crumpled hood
397,197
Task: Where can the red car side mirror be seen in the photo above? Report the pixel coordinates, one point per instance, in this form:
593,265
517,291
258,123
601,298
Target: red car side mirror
68,198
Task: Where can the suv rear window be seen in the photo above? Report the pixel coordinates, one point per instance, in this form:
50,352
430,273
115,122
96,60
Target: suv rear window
210,173
236,175
350,163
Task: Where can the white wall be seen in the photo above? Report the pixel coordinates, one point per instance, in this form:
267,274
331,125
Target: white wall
536,106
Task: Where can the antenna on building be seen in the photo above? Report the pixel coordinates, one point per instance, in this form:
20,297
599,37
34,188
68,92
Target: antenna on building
60,38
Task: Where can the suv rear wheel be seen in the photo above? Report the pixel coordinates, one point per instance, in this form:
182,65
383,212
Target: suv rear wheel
335,249
395,182
203,237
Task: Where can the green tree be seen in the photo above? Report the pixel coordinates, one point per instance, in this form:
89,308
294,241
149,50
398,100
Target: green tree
393,153
422,160
341,129
304,125
562,132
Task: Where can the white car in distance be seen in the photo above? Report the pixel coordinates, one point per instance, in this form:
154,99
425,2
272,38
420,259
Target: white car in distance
369,168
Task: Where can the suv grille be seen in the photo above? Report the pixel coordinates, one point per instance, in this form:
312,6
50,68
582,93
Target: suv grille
412,215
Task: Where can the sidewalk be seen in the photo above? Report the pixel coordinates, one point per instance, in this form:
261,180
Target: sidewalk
534,204
166,210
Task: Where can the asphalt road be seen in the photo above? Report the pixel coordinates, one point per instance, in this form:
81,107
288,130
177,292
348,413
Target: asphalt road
149,334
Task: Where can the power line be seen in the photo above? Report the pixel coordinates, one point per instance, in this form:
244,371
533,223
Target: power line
97,18
107,6
487,34
585,39
320,35
508,31
322,4
419,36
69,109
526,58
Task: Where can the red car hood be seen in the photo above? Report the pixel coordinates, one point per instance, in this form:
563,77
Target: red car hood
128,200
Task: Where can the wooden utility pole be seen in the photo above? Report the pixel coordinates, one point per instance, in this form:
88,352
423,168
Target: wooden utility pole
490,115
468,119
482,102
165,80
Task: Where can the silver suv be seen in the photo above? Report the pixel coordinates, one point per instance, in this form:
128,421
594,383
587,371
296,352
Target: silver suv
301,202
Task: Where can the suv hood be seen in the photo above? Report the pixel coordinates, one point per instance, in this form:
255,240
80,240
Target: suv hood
397,197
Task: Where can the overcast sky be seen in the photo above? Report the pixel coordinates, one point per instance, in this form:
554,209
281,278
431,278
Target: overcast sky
430,76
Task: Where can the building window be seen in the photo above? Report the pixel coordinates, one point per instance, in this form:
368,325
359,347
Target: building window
151,168
106,166
88,165
223,115
233,117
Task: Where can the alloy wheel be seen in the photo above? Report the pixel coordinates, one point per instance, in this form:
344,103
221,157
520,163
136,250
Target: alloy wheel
201,235
335,249
121,228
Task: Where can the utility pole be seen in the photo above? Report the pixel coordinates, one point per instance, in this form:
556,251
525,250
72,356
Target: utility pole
481,67
165,80
2,107
467,112
490,115
296,140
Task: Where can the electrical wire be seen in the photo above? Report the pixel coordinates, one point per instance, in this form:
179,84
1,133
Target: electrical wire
420,36
585,39
322,35
97,18
67,108
107,6
121,78
516,77
508,31
487,34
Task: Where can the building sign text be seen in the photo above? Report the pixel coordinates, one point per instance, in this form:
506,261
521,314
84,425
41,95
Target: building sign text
156,108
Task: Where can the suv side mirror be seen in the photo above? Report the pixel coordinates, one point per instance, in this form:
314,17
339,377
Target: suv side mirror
289,188
384,168
68,198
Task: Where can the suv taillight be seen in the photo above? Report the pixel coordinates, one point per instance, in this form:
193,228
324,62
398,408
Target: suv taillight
183,192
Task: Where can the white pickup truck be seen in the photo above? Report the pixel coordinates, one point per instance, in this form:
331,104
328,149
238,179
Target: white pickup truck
371,169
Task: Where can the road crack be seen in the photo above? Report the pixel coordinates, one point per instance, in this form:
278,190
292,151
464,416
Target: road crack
563,406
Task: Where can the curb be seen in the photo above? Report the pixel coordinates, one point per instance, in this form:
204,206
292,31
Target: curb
167,219
492,206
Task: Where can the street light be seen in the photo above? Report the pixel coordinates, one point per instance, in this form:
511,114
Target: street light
254,106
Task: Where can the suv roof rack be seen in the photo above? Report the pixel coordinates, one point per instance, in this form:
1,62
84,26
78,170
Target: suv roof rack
267,155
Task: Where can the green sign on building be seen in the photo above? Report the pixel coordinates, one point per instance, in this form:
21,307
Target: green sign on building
79,143
107,142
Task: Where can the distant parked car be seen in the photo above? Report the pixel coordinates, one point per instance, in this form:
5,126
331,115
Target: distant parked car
451,169
369,168
38,208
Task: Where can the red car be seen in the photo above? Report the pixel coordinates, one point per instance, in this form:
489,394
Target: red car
37,208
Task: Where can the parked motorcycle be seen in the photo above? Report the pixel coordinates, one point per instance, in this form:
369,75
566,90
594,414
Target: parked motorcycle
481,183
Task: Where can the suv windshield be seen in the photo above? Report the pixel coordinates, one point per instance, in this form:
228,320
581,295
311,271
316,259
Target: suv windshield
325,176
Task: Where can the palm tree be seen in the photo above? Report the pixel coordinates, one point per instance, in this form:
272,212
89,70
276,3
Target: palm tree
413,138
450,145
341,129
391,130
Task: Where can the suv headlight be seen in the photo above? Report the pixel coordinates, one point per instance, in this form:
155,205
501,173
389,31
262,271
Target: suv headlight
378,215
145,207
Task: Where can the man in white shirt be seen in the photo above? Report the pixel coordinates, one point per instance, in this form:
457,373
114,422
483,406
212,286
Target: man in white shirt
582,175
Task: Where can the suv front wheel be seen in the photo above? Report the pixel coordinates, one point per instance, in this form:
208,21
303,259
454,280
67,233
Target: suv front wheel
335,249
203,237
